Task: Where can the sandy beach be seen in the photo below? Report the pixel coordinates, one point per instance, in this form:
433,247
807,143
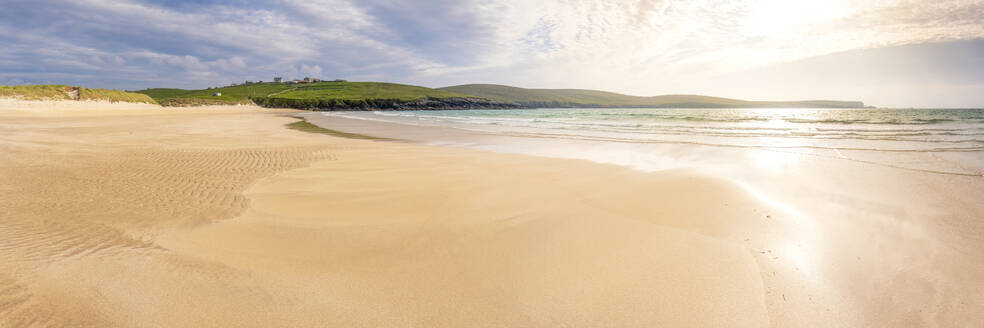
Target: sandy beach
136,216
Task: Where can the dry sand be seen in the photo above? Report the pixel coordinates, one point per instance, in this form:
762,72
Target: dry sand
146,217
63,108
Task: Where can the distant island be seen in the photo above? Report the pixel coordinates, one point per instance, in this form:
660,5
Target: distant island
593,98
341,95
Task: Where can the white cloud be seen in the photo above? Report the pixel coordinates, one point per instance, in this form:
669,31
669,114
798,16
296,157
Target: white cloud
648,47
187,62
294,72
234,63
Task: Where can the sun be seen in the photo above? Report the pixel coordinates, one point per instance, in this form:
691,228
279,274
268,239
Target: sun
784,18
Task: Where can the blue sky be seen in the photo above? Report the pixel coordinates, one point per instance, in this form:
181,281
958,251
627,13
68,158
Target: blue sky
884,52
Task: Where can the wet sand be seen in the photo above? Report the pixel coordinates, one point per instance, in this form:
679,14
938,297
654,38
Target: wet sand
224,217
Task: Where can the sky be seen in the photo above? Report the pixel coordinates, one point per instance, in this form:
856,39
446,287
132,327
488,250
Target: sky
887,53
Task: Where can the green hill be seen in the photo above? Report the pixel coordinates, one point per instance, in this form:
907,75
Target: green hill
65,92
261,92
594,98
364,90
238,94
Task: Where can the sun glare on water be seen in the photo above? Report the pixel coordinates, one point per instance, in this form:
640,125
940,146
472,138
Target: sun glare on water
773,162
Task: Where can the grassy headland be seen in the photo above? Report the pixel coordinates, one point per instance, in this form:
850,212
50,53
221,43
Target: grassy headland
595,98
370,95
365,90
307,95
65,92
231,95
325,96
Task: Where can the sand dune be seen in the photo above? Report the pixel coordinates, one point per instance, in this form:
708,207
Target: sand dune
223,217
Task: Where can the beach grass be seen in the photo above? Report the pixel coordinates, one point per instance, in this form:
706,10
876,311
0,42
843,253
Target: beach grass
114,96
65,92
35,92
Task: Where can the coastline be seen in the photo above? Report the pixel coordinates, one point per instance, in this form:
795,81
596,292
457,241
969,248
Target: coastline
228,217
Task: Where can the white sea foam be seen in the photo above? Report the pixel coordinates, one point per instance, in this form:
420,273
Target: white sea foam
928,131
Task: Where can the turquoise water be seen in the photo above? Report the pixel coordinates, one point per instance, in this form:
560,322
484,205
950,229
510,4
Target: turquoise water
952,137
875,129
829,116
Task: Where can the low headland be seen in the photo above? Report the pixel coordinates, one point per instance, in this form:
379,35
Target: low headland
581,98
328,96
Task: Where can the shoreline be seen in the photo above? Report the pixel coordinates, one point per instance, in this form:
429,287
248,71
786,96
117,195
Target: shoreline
921,214
231,217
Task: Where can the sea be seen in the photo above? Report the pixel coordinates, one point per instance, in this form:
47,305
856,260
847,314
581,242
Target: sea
941,141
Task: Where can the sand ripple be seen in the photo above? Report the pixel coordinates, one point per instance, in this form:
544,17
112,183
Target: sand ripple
83,195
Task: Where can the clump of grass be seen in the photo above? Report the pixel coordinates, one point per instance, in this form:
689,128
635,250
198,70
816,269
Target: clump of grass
36,92
304,125
114,96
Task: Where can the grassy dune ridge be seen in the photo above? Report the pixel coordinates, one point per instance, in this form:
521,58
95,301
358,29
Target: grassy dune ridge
595,98
65,92
114,96
35,92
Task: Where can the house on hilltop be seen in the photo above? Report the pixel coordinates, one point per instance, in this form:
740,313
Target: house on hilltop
307,80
